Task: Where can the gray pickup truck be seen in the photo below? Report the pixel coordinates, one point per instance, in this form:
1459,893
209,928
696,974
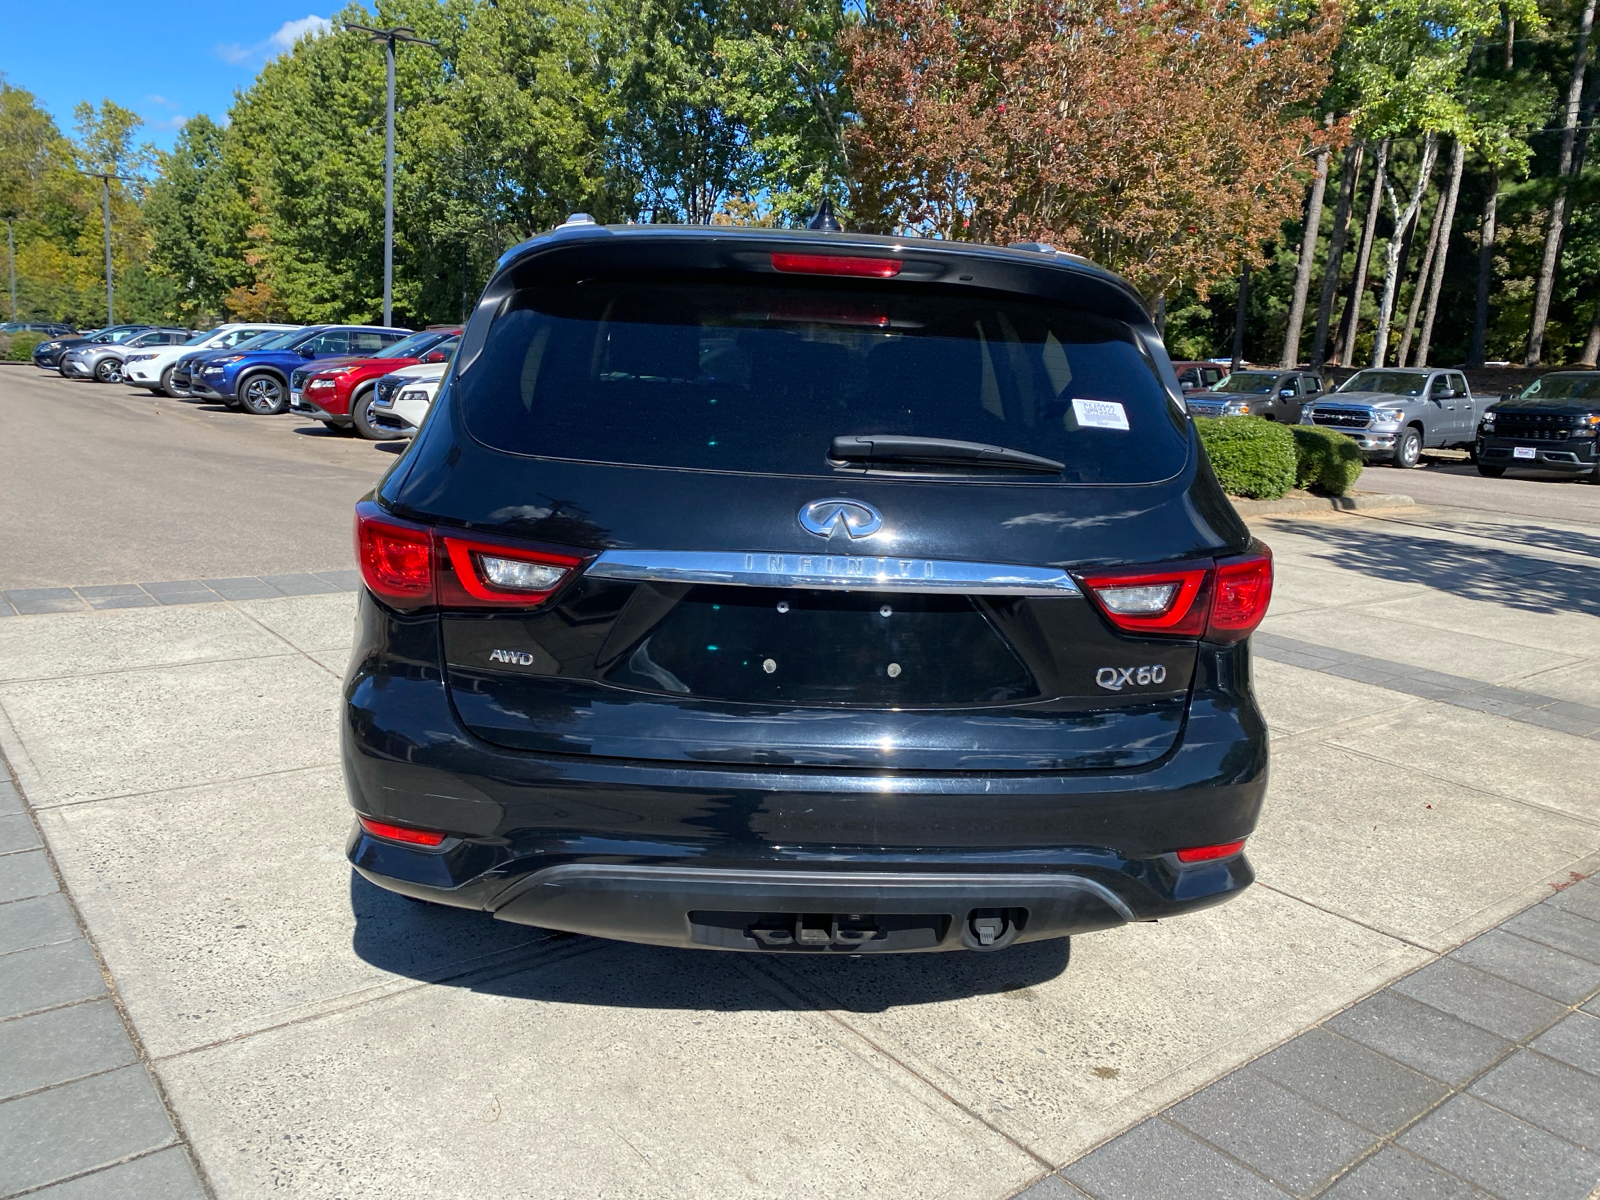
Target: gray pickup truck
1394,412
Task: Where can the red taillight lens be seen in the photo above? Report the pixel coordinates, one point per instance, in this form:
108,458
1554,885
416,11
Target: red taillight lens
501,575
1243,591
400,833
836,264
413,566
396,559
1222,602
1146,601
1210,853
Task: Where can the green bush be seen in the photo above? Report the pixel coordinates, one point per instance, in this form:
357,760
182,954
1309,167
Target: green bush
18,347
1252,456
1325,459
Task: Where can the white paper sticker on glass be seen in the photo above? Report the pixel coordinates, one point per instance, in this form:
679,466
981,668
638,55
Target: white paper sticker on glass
1099,414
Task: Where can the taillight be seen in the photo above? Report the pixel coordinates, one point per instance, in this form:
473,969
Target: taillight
836,264
401,833
396,558
1243,591
410,566
1222,601
1196,854
1153,601
500,575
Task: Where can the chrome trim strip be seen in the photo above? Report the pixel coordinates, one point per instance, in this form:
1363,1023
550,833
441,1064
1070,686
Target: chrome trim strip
832,572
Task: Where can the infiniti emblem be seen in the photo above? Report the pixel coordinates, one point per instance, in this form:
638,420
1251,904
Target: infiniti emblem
823,517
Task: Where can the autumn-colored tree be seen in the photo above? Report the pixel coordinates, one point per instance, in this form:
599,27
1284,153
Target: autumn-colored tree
1165,139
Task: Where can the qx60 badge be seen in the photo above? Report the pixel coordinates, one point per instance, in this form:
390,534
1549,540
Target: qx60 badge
824,517
1114,679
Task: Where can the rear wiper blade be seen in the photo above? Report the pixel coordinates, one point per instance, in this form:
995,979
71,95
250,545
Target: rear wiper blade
894,447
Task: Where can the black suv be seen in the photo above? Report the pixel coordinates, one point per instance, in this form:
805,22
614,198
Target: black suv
806,592
1554,425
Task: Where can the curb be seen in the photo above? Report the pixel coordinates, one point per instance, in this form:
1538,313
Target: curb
1355,502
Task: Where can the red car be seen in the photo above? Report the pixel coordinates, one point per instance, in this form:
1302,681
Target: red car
339,391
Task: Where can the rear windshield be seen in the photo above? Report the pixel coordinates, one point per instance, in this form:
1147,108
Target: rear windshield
734,377
1563,387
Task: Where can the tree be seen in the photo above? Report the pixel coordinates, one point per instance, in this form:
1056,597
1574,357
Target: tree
199,220
1558,206
1165,139
1308,258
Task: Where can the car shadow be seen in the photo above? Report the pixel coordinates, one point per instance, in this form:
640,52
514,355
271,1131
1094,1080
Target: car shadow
323,430
1492,574
457,948
391,447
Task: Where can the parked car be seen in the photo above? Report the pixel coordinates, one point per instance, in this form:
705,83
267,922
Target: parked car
102,362
257,380
48,328
47,355
1394,412
1196,376
792,591
178,378
340,392
152,367
1275,395
401,399
1553,425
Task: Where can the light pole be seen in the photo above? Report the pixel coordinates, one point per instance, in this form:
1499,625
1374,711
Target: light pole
105,178
400,33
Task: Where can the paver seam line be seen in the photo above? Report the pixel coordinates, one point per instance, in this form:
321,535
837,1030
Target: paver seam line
801,996
161,666
522,960
305,654
96,1169
1545,809
50,1008
1533,550
141,1054
187,787
1533,700
1367,925
1385,1139
1289,519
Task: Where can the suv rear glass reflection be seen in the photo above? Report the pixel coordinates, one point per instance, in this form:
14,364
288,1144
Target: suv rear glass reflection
747,377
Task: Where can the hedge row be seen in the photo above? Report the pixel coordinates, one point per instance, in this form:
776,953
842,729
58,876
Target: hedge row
1262,459
18,347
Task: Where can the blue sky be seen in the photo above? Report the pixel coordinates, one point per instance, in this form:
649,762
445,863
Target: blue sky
166,61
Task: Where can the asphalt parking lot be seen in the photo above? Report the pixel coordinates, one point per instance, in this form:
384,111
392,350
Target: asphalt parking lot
1404,1004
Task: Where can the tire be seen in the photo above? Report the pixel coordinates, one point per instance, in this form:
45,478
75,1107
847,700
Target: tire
108,370
361,418
1489,472
263,395
165,386
1408,448
1593,476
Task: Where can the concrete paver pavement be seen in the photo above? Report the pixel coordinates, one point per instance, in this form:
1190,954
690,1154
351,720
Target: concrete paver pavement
320,1037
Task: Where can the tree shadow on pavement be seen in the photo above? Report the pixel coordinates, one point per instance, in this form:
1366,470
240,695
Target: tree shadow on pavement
459,948
1490,574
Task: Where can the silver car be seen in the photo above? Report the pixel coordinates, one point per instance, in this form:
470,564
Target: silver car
102,362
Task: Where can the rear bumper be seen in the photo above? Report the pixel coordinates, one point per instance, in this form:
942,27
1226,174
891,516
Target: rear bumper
693,854
849,911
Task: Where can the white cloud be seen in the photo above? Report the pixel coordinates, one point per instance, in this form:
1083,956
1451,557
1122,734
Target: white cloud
280,42
292,31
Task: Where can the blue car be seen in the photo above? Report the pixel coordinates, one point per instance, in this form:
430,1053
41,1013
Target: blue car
257,379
